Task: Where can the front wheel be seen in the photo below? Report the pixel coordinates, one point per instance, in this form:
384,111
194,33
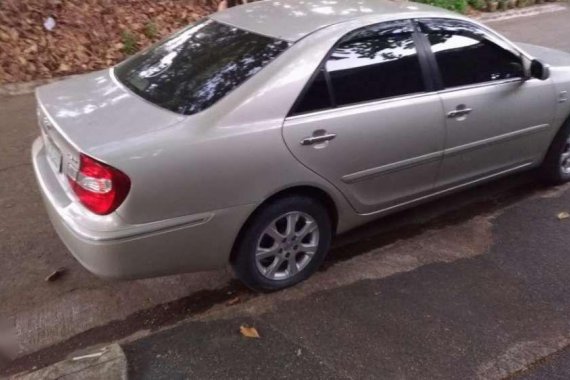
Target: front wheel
283,244
556,166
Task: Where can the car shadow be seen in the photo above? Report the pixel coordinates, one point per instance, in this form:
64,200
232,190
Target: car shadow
448,210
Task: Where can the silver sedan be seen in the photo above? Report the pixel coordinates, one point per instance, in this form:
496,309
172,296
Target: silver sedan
254,136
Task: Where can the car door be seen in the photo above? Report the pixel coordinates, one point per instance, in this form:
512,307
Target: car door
497,120
369,121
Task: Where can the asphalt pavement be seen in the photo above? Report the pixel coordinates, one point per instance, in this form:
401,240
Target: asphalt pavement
475,285
490,316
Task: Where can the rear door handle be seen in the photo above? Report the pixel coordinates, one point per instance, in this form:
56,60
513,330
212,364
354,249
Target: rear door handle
459,112
318,139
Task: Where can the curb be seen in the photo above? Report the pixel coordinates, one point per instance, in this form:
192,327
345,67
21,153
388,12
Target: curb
107,363
24,88
522,12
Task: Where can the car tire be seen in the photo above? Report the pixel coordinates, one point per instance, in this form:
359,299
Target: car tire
282,244
555,169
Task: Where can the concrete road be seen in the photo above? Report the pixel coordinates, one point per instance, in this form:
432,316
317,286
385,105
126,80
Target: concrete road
475,285
549,29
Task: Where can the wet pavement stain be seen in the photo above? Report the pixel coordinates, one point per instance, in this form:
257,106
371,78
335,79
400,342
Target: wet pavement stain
400,227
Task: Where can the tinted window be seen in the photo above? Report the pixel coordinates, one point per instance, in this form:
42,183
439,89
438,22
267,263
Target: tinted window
368,64
316,97
196,67
375,63
466,56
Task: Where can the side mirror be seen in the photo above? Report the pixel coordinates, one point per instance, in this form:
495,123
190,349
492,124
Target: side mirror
539,70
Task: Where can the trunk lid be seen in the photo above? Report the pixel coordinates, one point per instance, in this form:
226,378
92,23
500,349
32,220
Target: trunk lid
95,110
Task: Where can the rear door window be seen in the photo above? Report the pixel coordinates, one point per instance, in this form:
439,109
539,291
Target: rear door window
375,63
317,97
372,63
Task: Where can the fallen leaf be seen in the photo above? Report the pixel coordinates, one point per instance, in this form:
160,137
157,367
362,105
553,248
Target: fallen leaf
64,67
55,275
563,215
13,33
249,332
233,301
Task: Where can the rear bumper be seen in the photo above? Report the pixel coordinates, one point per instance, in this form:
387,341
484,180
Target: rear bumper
111,248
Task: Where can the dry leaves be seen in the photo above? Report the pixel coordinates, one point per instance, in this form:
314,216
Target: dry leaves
563,215
55,275
249,332
233,301
86,35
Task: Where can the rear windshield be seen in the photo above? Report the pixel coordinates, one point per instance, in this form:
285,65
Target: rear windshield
194,68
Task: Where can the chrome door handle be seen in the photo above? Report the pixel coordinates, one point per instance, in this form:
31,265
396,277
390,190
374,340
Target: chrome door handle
318,139
459,112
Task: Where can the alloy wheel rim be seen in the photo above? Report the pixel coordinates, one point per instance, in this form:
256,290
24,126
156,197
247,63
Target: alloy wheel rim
565,158
287,245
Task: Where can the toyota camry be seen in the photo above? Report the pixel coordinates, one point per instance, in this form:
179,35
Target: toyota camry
254,136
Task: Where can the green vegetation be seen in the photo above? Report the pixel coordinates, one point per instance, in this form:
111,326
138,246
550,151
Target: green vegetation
477,4
453,5
129,42
150,30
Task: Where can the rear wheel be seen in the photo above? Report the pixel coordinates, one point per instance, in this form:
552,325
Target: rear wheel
284,243
556,166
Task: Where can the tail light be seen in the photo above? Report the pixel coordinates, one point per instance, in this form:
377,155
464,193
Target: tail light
99,187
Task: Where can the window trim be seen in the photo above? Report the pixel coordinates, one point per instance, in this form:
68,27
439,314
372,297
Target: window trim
425,69
494,38
482,84
372,103
428,56
330,88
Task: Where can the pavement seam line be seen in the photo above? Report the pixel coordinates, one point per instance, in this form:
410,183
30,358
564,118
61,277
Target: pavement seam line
87,367
23,375
536,364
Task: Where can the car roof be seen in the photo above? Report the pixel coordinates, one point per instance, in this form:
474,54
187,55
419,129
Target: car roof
292,20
